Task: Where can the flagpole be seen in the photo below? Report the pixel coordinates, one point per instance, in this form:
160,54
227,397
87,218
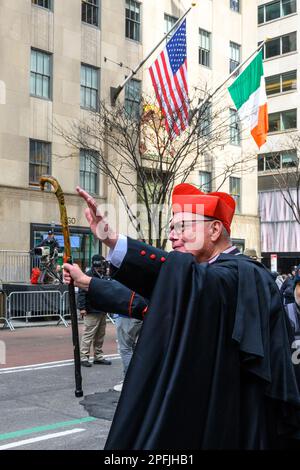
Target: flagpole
116,91
228,78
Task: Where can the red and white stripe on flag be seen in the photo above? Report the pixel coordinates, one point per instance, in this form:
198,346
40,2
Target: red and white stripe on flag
169,78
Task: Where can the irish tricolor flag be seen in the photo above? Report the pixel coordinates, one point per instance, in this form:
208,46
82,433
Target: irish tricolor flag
248,93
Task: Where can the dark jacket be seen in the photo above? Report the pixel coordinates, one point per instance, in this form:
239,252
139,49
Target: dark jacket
287,291
83,299
293,312
212,368
114,297
52,244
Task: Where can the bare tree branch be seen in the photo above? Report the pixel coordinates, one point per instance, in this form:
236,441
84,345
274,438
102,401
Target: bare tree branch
131,147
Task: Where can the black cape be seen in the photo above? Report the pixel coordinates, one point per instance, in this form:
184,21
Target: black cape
212,368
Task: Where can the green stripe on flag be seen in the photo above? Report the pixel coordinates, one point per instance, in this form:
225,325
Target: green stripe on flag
248,82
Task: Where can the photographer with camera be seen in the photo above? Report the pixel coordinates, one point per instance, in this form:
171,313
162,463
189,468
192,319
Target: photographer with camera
50,242
94,320
49,268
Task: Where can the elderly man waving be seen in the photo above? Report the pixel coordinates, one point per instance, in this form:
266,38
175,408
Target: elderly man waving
212,368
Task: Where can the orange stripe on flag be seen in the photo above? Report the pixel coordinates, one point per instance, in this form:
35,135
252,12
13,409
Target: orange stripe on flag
259,133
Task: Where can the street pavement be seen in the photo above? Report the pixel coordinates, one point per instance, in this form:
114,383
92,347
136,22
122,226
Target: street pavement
38,344
39,410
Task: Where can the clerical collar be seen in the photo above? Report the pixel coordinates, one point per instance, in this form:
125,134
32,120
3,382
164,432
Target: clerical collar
233,250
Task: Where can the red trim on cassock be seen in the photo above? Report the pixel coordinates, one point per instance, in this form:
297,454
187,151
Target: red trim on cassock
130,304
144,311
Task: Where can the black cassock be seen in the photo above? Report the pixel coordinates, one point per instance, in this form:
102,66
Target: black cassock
212,368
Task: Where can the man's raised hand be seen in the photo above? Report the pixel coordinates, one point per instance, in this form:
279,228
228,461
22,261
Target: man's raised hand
97,221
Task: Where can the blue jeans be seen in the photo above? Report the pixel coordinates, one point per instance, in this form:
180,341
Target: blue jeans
128,330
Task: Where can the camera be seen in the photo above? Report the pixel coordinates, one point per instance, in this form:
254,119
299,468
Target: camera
102,266
41,251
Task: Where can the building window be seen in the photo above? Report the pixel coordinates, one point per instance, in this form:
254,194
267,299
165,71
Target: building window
277,160
39,161
89,170
169,23
133,99
280,46
283,120
235,132
260,163
205,178
235,192
289,159
281,83
235,5
204,49
205,119
235,56
133,20
90,12
260,14
42,3
273,10
40,74
89,87
273,49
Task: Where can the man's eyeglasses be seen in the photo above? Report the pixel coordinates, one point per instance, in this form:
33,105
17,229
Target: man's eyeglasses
180,227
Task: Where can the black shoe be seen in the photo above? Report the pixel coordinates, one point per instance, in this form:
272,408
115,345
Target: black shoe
105,362
85,363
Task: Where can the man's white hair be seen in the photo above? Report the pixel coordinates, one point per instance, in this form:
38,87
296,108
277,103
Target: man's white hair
225,234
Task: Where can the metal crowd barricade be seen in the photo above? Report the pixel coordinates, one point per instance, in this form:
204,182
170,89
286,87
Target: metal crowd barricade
65,305
3,316
34,304
110,318
15,266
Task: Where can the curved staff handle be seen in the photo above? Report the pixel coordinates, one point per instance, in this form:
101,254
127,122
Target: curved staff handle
68,259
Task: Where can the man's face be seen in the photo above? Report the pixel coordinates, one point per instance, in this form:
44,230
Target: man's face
190,233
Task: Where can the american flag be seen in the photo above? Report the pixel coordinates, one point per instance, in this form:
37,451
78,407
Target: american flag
169,78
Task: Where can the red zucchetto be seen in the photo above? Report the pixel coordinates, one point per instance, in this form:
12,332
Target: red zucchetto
188,198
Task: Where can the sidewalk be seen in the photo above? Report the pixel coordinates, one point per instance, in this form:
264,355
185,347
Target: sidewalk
40,344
